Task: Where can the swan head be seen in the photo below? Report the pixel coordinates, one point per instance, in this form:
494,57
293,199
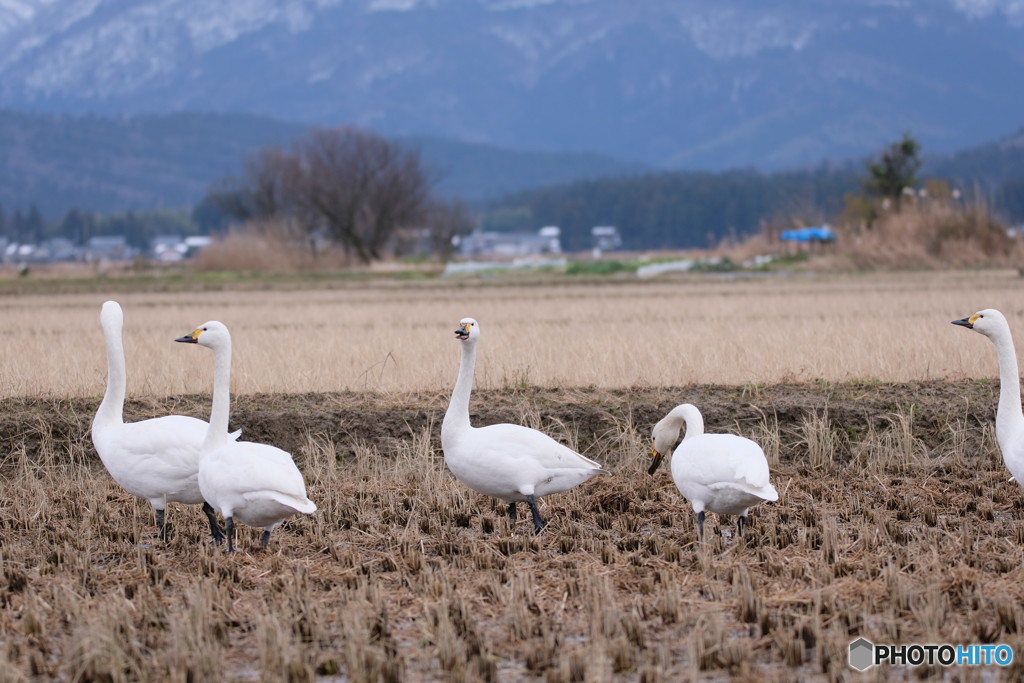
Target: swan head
666,433
988,322
212,334
664,437
111,314
467,330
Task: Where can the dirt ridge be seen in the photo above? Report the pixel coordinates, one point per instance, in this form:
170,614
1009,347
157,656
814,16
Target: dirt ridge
288,420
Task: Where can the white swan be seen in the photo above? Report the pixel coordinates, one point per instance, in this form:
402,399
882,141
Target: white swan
156,459
1009,416
256,483
510,462
723,473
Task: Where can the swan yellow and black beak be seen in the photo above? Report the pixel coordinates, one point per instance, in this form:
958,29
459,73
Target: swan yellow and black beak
656,461
190,338
462,331
967,322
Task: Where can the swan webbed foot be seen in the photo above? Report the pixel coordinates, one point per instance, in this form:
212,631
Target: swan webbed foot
538,521
700,525
215,532
512,511
265,538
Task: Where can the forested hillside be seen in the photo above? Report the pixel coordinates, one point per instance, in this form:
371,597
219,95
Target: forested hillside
676,210
108,165
689,209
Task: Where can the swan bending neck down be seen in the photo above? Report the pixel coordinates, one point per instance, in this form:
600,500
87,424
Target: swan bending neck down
1009,415
723,473
256,483
155,459
509,462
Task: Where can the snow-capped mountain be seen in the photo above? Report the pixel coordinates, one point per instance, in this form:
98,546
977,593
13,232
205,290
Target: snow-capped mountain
690,83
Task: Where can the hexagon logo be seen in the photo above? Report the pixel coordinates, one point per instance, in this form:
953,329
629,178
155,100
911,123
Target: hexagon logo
862,654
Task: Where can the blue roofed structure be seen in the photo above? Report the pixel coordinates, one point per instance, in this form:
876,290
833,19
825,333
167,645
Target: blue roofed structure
809,234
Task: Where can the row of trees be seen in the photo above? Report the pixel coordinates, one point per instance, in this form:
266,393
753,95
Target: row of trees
23,227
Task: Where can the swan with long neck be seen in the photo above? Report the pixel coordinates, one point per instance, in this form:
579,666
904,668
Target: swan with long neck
257,484
721,473
155,459
509,462
1009,415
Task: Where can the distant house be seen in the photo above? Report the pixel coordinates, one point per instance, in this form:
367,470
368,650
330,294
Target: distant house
196,243
57,249
511,244
606,238
110,248
168,248
553,234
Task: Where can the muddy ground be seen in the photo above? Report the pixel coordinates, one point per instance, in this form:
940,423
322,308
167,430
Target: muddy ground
896,522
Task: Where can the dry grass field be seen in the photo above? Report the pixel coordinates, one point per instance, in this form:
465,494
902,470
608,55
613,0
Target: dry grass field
396,336
896,520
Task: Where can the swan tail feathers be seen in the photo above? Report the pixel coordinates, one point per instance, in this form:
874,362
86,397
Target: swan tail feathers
300,504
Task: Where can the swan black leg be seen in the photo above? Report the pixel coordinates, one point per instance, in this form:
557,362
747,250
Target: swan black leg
740,521
161,527
538,522
700,525
229,531
218,535
265,538
512,511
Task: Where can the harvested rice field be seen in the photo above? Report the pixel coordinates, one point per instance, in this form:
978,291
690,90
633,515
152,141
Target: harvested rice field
896,520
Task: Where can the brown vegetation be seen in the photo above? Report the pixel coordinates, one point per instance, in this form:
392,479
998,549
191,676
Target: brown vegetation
895,522
933,234
267,246
931,231
322,335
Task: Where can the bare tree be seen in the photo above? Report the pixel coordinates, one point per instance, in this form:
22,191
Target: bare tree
261,193
354,186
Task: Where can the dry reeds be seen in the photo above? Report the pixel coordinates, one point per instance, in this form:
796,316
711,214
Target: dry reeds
273,246
933,234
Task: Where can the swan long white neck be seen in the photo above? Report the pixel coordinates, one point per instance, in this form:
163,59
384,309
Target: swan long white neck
111,409
666,432
689,415
217,434
457,415
1009,415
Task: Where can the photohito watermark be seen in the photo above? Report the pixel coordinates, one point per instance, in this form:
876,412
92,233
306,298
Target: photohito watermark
864,654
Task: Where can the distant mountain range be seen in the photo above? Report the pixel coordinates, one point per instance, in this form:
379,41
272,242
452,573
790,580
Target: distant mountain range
59,162
670,83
